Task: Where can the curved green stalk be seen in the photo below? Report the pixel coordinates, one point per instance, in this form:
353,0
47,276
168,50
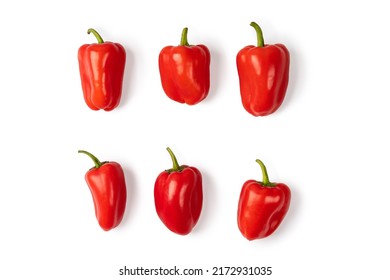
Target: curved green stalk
266,181
184,40
97,162
176,166
96,34
259,33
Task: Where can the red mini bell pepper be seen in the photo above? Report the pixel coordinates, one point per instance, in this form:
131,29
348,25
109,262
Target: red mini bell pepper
263,74
106,182
185,71
102,68
178,197
262,206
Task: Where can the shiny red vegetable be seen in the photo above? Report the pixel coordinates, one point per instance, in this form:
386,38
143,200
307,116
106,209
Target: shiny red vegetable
185,71
106,182
262,206
263,74
178,197
101,70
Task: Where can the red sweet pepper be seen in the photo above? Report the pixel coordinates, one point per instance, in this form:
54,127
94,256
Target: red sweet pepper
185,71
102,68
106,182
263,73
262,206
178,197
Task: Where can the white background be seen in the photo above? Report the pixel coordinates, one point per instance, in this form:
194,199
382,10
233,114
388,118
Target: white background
329,141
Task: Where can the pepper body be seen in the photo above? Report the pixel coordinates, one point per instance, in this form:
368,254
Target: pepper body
102,67
178,197
263,75
185,71
262,207
106,182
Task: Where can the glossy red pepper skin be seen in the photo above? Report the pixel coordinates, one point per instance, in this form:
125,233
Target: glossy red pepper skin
106,182
102,68
263,74
262,207
178,197
185,71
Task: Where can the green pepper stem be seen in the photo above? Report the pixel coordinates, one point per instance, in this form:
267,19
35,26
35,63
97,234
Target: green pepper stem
176,166
266,181
96,34
184,40
97,162
260,38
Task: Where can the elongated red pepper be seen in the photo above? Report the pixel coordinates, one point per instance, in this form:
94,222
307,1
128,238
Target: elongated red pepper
106,182
102,68
262,206
178,197
185,71
263,73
